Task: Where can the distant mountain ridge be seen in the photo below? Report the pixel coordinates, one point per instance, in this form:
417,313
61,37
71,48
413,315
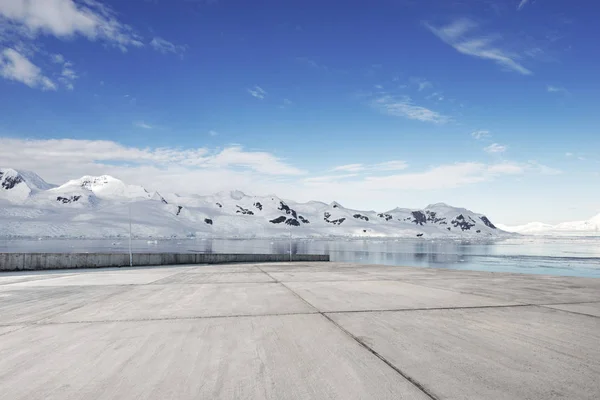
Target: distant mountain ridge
99,206
574,228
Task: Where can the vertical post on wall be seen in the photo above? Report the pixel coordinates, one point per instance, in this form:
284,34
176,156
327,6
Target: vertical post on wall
290,229
130,254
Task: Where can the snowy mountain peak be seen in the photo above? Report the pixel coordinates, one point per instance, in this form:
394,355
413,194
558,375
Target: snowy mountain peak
105,186
237,194
17,186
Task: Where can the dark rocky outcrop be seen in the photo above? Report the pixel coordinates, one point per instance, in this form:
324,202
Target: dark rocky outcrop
487,222
419,235
359,216
386,216
67,200
11,181
258,205
220,205
287,209
208,221
178,209
304,220
432,217
461,222
419,217
292,222
338,221
278,220
243,211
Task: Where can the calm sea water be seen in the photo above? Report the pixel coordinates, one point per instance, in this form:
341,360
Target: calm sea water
535,255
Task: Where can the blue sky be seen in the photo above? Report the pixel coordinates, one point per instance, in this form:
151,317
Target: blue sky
491,105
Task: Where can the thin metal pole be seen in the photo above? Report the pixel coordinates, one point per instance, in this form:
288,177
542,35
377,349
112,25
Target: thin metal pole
130,255
290,229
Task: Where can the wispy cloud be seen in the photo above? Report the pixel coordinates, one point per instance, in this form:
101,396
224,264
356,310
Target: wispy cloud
213,133
478,135
143,125
457,35
164,46
67,18
395,165
421,83
544,169
522,4
16,67
349,168
257,92
495,148
556,89
404,107
22,22
312,63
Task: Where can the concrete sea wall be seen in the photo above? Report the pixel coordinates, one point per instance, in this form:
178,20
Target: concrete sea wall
41,261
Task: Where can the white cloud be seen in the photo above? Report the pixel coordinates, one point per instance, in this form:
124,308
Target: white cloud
287,102
391,166
143,125
495,148
435,96
556,89
164,46
206,171
403,107
213,133
522,4
544,169
483,47
57,159
421,83
14,66
57,58
327,178
67,18
569,154
349,168
442,177
257,92
481,134
395,165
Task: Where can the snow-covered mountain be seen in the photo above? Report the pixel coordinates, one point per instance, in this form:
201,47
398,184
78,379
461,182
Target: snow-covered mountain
100,206
575,228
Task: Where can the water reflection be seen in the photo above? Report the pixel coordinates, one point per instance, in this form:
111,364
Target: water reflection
578,257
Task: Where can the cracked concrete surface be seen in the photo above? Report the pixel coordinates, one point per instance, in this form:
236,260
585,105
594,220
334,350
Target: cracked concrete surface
297,331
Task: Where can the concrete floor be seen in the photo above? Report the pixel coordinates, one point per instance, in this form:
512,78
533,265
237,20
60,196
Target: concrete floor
297,331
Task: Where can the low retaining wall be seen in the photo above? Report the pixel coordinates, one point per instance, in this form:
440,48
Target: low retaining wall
39,261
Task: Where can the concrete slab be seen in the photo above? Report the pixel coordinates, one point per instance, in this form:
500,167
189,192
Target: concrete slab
164,332
283,357
101,278
191,301
320,276
210,269
522,288
204,277
383,295
582,308
495,353
7,329
29,304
